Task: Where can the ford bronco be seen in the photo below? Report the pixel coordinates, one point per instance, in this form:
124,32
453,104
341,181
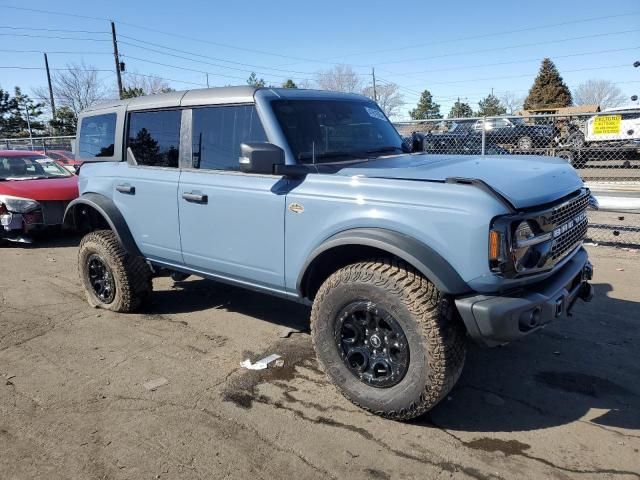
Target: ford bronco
313,196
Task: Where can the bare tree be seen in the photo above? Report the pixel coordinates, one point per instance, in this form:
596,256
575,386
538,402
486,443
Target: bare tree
77,88
512,102
389,97
340,78
149,84
598,92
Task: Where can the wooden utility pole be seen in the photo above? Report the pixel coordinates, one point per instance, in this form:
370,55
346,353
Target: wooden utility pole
116,57
53,104
373,74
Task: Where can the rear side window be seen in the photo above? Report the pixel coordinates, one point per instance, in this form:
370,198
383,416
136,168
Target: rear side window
218,133
154,137
97,135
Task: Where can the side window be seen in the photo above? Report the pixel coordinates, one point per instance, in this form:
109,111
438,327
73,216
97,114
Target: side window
154,137
97,135
218,133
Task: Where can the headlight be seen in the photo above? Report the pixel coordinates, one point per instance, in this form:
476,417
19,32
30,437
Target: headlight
516,247
18,204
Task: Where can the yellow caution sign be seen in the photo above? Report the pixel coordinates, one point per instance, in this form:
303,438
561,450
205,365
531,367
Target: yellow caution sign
606,124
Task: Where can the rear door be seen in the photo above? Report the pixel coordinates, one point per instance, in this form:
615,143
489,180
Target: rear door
231,223
146,187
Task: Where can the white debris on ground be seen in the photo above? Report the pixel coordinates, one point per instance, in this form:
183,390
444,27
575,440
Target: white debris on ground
260,364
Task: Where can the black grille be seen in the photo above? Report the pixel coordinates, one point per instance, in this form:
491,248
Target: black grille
569,210
566,242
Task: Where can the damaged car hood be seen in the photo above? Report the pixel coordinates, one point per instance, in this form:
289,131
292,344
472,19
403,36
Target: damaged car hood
524,180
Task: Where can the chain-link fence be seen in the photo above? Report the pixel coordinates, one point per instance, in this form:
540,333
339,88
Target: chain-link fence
38,144
604,148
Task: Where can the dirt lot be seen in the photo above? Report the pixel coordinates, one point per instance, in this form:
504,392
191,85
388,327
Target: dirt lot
565,403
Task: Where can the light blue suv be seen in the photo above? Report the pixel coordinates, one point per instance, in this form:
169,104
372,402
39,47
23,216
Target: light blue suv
314,197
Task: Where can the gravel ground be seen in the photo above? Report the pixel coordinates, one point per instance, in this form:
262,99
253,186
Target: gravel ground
77,396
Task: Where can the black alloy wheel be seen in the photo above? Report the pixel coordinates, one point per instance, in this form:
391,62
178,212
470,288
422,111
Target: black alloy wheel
372,344
101,279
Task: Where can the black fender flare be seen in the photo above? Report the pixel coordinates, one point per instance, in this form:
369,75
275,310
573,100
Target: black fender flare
109,211
417,254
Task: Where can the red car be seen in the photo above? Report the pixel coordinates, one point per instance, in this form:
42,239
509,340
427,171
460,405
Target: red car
64,158
34,192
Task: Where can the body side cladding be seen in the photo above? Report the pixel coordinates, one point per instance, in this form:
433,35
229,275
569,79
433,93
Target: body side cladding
109,212
422,257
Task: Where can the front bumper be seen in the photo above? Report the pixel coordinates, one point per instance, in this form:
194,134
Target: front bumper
497,319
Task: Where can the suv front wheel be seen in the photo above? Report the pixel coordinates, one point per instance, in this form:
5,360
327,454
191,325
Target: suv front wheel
112,279
387,338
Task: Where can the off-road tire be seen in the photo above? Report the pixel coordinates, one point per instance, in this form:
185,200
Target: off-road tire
431,323
131,275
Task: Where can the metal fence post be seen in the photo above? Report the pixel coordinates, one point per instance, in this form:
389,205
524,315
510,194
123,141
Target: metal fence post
484,135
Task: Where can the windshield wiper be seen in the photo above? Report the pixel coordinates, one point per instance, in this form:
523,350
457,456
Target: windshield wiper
351,154
384,149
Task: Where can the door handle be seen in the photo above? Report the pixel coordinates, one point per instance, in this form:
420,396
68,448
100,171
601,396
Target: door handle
126,189
195,197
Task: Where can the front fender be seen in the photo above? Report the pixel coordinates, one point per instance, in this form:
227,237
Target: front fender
422,257
107,209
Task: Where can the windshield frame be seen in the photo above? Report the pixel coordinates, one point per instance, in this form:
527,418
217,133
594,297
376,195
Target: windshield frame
390,142
33,158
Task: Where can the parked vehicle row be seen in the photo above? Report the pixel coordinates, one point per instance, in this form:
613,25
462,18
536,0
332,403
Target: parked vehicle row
607,137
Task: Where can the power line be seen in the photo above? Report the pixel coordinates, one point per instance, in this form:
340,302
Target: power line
487,35
525,75
51,29
162,32
53,37
182,68
514,62
508,47
56,51
253,69
56,69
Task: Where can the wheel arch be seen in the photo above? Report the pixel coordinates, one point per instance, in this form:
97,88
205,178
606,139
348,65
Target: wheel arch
93,211
365,243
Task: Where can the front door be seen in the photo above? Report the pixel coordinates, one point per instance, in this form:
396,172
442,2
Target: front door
231,223
146,188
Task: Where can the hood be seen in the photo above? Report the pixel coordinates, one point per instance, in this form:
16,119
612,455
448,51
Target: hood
524,180
65,188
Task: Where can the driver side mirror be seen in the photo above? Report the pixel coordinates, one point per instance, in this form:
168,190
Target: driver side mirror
260,157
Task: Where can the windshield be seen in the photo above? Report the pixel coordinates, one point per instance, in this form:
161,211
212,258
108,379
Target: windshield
333,130
29,167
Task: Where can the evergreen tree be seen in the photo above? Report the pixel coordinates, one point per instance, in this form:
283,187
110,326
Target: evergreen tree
426,108
254,81
548,90
23,112
490,106
65,121
7,105
289,84
132,92
460,110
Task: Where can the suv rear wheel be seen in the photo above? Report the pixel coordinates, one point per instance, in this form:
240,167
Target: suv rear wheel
387,338
112,279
